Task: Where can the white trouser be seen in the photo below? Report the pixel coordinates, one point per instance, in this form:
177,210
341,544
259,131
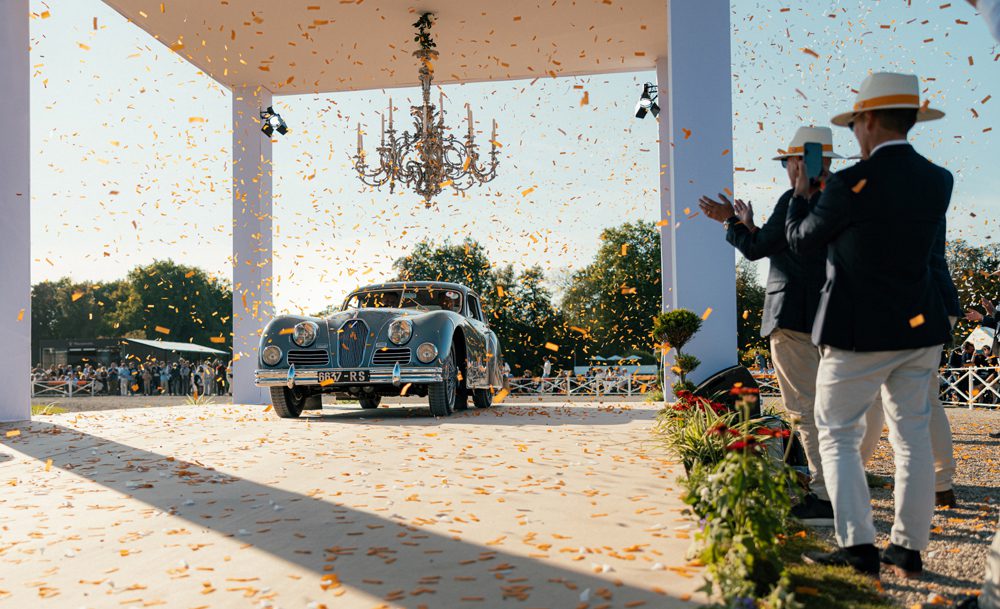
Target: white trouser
124,383
796,360
990,597
846,387
941,444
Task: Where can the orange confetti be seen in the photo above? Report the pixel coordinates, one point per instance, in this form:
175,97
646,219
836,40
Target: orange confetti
217,339
13,433
20,315
810,52
859,186
917,321
162,330
552,346
707,312
77,296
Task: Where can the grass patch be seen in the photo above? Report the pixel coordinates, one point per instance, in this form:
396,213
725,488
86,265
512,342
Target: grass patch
818,587
45,409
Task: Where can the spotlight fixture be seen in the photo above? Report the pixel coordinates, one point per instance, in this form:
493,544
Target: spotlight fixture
647,102
271,121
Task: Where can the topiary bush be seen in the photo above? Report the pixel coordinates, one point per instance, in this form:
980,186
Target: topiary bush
675,328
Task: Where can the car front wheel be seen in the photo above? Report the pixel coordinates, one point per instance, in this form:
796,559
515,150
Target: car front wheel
482,398
369,402
441,396
288,403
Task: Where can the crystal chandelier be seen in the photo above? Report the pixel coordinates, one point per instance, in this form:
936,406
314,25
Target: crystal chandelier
428,160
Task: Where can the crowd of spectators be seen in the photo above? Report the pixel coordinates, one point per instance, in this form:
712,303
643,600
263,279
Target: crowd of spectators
152,377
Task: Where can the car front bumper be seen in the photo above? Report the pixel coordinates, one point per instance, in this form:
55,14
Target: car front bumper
377,376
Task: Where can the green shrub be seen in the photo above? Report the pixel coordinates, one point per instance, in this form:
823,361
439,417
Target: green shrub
676,327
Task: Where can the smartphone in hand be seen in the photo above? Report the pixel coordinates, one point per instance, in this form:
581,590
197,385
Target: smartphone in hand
813,156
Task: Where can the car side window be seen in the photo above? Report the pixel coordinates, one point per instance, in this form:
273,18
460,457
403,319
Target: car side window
474,309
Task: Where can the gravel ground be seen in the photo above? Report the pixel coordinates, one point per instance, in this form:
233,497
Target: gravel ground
960,539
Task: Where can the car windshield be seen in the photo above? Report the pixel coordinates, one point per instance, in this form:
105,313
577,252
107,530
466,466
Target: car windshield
422,299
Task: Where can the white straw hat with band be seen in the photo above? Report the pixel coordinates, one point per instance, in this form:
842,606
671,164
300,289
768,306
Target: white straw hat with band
887,91
804,135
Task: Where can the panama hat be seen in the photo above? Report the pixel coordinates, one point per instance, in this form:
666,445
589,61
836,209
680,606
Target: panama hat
887,91
804,135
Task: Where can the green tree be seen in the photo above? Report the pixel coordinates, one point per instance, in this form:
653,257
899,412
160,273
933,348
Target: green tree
67,309
614,299
176,302
749,307
465,263
974,270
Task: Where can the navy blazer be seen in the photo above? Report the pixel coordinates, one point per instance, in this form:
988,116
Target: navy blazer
793,280
882,221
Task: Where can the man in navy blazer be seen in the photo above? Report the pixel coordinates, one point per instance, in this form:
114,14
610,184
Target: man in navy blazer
793,288
882,321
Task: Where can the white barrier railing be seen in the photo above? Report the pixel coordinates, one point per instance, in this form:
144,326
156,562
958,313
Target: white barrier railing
969,386
580,385
62,389
973,386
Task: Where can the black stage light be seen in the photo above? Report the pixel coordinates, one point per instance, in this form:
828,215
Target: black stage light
647,102
271,121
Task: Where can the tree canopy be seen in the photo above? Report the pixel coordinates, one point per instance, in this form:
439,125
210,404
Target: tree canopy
162,300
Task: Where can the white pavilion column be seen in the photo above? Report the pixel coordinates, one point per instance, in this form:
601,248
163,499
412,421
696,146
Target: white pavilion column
15,215
252,201
696,142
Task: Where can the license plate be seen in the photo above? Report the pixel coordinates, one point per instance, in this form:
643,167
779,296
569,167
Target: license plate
343,376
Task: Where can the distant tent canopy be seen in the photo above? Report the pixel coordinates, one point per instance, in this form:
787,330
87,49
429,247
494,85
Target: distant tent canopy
142,349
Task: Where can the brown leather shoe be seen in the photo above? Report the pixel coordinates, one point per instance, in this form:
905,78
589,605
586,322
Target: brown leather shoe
945,499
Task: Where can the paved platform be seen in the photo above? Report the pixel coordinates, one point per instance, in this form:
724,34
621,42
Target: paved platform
548,505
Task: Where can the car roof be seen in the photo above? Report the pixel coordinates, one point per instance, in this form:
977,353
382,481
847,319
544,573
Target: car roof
443,285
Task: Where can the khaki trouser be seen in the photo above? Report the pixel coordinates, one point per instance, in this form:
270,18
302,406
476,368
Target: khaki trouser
796,360
941,444
847,384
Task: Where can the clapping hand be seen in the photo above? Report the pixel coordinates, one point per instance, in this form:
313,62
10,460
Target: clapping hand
973,315
988,305
720,212
744,211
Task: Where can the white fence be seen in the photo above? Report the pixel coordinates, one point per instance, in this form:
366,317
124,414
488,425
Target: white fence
969,387
62,389
581,385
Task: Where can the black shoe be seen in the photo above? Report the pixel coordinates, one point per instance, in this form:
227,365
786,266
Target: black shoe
813,512
906,563
945,499
969,602
994,434
863,558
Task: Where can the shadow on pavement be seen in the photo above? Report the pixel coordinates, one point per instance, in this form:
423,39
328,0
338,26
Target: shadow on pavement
314,532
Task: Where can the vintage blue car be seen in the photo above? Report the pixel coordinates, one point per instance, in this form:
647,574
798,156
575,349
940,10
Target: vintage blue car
420,338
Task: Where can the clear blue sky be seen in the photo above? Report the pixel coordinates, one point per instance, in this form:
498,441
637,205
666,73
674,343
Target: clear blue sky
121,175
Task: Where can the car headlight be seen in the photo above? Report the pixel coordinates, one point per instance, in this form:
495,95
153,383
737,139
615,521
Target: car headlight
271,355
304,333
400,331
427,352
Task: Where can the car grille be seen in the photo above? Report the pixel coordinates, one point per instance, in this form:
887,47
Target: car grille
390,356
351,343
308,357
